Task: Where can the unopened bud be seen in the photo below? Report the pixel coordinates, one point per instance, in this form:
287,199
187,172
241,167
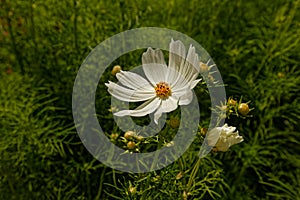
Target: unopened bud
132,190
129,135
114,136
131,145
179,175
231,102
243,109
116,69
174,123
203,67
203,131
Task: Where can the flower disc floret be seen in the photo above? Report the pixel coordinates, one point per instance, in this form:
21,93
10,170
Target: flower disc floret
163,90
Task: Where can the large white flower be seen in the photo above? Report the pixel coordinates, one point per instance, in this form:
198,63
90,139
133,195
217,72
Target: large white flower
223,137
165,88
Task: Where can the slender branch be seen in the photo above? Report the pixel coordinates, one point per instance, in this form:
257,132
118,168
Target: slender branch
193,175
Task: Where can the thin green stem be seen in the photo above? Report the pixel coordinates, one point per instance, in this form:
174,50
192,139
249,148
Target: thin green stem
100,184
193,175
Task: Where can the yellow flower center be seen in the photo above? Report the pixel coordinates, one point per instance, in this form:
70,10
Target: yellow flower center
163,90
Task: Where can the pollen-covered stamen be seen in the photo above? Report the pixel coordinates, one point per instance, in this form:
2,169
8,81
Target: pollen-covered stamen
163,90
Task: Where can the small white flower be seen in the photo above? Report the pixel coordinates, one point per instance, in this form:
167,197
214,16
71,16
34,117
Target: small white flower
223,137
165,88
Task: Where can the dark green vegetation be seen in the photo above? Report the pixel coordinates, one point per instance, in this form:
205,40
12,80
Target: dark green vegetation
255,45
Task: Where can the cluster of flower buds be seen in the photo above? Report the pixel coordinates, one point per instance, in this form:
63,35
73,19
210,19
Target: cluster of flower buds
221,138
238,108
207,72
234,107
129,141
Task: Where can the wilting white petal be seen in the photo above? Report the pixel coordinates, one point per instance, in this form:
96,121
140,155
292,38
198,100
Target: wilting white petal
132,80
167,105
125,94
144,109
213,136
154,65
223,137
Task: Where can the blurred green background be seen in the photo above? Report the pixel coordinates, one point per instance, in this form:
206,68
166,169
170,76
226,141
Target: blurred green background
255,45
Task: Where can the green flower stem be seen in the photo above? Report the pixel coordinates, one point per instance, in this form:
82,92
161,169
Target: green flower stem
101,183
193,175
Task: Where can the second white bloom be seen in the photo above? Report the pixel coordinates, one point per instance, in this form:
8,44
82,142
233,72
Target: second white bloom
223,137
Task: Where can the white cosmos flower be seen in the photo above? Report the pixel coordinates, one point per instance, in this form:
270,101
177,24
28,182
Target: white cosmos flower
165,88
223,137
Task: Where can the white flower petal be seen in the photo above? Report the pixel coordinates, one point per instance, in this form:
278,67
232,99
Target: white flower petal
213,136
178,92
186,66
191,66
192,60
235,140
129,95
186,99
176,55
222,145
132,80
175,79
194,83
167,105
154,66
144,109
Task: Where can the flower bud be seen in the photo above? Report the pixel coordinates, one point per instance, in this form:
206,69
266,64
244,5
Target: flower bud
114,136
231,102
210,78
132,190
129,135
179,175
203,67
116,69
203,131
139,137
243,109
174,123
131,145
